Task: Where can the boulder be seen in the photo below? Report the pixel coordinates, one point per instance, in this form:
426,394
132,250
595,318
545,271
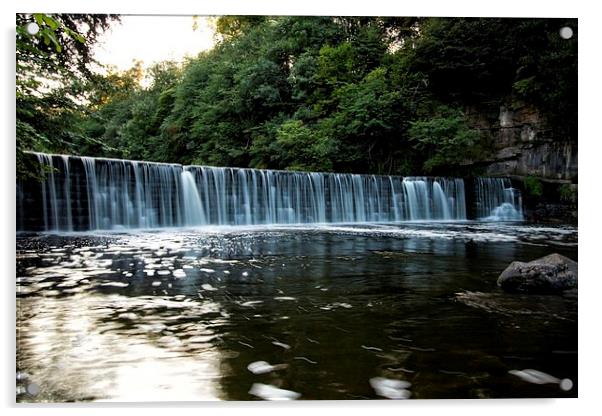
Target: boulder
550,274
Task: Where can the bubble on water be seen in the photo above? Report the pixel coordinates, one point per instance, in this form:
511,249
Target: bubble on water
269,392
116,284
207,270
207,286
156,283
391,388
179,274
305,359
128,315
366,347
566,384
263,367
245,274
155,328
281,344
251,303
163,272
534,376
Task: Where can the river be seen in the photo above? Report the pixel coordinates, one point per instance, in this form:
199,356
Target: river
338,311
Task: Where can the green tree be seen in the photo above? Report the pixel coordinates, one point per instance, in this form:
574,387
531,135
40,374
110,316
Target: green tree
52,65
350,94
446,138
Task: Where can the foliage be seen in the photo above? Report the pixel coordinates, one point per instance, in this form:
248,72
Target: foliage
350,94
52,66
295,147
567,193
533,187
478,60
445,137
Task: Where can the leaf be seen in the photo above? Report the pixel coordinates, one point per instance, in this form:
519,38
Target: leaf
75,35
52,23
39,18
50,35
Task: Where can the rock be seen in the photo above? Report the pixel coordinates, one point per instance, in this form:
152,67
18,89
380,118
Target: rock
550,274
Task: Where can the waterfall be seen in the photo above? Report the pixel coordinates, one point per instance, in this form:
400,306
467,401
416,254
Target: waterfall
497,200
441,203
194,213
84,193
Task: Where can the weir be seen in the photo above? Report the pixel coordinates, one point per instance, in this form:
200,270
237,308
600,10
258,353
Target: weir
84,193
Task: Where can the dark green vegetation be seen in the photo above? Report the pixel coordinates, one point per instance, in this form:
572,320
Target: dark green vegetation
54,73
346,94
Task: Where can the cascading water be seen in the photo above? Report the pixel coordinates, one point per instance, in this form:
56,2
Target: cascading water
497,200
194,214
83,193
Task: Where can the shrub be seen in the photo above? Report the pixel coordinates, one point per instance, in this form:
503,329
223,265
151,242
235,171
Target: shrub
533,186
567,193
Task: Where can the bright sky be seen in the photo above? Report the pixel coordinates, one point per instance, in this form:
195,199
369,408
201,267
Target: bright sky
152,39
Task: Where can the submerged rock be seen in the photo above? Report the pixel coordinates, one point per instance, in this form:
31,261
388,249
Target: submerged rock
550,274
539,307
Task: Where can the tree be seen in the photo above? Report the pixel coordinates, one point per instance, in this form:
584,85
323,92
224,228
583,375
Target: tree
380,95
446,138
51,67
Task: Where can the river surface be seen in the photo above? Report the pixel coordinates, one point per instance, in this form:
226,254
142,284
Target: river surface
323,312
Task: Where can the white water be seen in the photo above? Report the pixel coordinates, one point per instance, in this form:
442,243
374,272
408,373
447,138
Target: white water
497,200
101,194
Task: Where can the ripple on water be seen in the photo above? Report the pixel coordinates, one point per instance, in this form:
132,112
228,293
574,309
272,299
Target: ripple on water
98,319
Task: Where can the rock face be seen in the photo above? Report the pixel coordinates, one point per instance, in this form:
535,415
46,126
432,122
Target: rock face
550,274
523,144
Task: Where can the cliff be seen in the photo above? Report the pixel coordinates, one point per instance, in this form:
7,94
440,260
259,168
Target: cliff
540,160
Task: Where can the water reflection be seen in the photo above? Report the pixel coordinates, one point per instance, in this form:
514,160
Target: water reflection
88,346
344,312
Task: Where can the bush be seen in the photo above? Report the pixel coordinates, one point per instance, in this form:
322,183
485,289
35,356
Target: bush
533,186
567,193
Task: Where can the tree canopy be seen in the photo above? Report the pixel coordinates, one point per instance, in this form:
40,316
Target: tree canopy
348,94
54,66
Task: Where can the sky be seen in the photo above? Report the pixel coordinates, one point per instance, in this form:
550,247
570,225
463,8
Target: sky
152,39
